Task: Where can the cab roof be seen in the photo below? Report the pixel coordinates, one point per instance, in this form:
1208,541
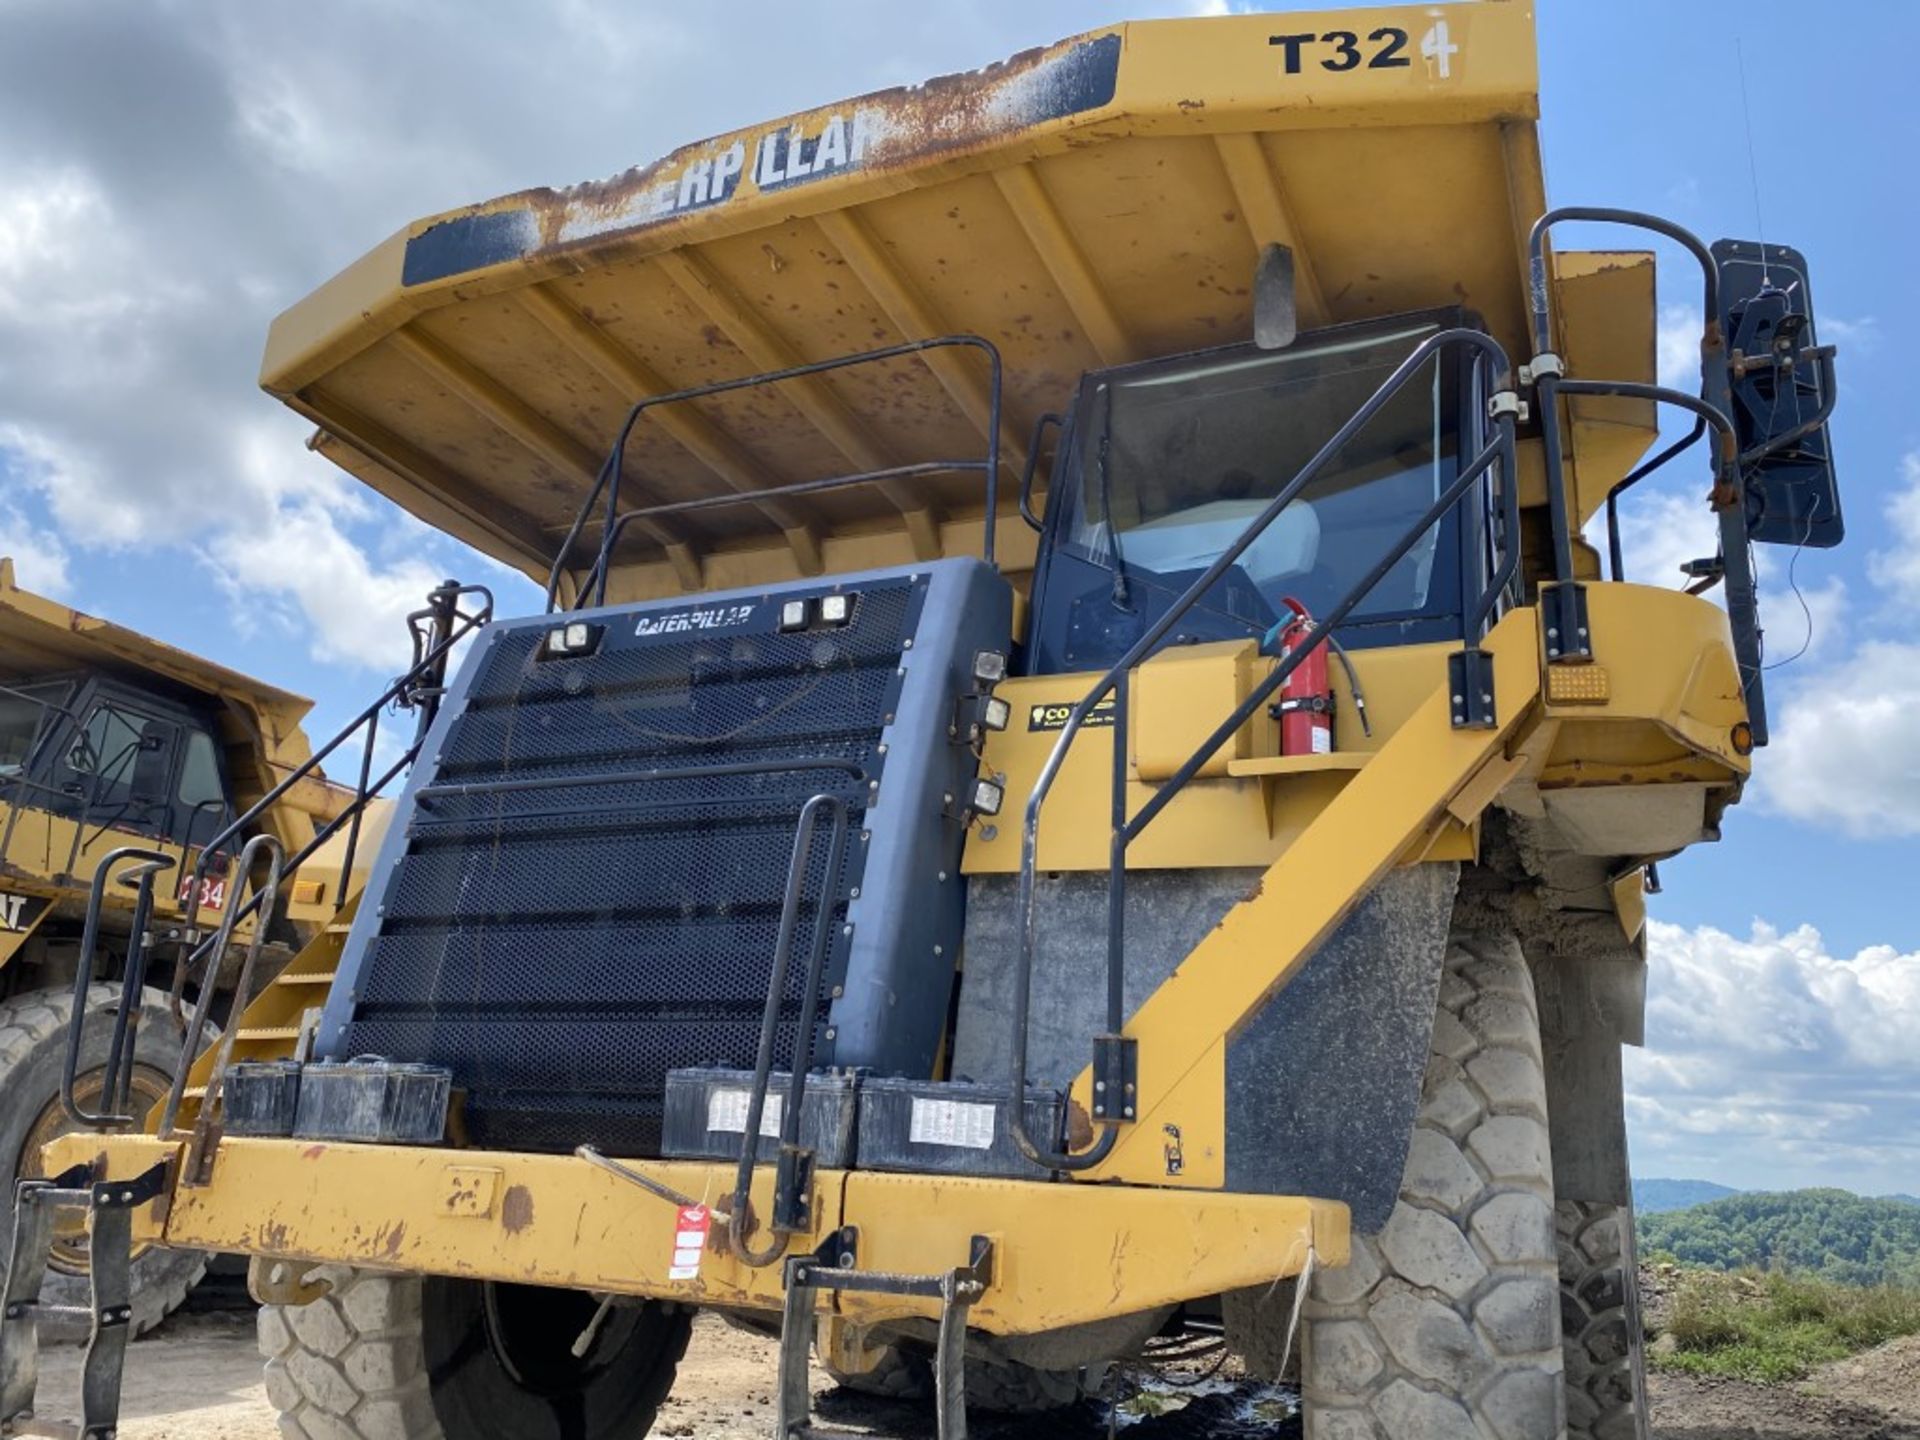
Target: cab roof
1097,201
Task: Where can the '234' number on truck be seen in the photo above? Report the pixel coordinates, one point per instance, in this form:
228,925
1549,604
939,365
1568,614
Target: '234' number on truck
1387,50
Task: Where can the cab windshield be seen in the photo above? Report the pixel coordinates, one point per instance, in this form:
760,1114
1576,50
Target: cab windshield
1174,459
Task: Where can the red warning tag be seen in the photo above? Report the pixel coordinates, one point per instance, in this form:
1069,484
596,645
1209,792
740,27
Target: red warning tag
690,1226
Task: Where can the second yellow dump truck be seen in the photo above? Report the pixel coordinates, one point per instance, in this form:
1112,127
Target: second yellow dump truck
1080,778
111,740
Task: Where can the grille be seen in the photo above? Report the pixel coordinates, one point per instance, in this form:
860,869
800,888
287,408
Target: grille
562,947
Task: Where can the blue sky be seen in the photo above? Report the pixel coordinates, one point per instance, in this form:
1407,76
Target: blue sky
171,180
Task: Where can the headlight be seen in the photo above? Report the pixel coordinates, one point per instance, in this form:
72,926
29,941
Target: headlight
575,638
995,714
988,797
793,615
836,609
989,666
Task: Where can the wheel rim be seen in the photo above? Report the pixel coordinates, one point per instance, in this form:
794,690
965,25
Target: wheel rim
532,1329
149,1088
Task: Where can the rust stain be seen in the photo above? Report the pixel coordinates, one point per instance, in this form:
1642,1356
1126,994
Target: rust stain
516,1209
1079,1126
910,125
313,1152
395,1237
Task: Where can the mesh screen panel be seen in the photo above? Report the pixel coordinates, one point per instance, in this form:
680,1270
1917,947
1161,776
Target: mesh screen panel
560,948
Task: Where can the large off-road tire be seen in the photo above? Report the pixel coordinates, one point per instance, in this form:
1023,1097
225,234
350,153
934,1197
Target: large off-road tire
1446,1325
1600,1320
1000,1387
33,1042
402,1357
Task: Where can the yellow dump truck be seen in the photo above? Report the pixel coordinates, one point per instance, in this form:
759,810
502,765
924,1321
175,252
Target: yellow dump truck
110,739
1080,781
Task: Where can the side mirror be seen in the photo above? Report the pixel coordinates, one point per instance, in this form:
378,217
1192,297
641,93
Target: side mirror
1783,392
1276,322
152,764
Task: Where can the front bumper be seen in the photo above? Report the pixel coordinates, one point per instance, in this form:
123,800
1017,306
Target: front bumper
1064,1254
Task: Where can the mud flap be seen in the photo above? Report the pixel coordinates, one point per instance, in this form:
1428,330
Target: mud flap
1324,1081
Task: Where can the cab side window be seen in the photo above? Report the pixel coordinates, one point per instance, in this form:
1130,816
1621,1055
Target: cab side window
119,770
104,757
202,794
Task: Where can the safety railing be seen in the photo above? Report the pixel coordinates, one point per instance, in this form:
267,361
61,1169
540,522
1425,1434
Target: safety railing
1114,1066
593,587
1712,408
793,1168
116,1078
435,630
269,891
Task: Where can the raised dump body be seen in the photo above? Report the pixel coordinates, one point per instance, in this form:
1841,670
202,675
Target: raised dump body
1073,709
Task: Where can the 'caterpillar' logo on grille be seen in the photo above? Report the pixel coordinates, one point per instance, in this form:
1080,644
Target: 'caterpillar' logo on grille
715,617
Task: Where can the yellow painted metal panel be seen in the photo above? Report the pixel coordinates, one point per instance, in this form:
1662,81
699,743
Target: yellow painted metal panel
1064,1254
1669,661
1099,199
1179,696
1245,818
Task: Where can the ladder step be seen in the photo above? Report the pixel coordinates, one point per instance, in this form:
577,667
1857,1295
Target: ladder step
64,1199
60,1312
268,1032
322,978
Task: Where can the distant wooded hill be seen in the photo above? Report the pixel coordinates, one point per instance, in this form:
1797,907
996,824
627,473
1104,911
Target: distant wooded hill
1842,1236
1650,1197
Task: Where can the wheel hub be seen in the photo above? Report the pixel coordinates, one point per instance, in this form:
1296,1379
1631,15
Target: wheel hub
149,1088
532,1331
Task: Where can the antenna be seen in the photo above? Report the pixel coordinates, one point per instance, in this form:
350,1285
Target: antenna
1753,165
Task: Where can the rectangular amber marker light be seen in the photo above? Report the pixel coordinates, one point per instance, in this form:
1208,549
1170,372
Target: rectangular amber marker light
1577,685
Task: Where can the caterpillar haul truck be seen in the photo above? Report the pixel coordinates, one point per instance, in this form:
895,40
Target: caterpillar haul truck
110,739
1080,763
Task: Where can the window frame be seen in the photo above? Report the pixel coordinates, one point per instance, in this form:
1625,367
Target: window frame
1471,522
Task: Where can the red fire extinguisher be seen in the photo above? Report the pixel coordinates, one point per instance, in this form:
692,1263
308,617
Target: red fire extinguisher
1305,710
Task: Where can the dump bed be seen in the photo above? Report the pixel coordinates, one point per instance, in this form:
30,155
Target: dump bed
1097,201
260,723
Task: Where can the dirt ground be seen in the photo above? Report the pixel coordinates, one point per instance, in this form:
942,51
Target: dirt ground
198,1378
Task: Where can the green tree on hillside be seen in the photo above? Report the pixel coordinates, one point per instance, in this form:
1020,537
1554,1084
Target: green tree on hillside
1842,1236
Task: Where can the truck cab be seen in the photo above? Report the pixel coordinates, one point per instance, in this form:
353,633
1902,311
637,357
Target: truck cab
111,755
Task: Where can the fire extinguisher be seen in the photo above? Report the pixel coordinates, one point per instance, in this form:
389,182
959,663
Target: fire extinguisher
1305,710
1305,707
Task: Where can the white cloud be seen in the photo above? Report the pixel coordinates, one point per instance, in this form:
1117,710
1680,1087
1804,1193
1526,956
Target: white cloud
1846,745
1804,623
1860,337
1898,567
1661,528
39,558
166,188
1678,348
355,610
1770,1051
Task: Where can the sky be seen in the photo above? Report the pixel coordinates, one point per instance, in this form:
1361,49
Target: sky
172,175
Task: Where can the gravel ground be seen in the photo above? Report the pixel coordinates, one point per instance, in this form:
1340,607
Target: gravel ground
198,1378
